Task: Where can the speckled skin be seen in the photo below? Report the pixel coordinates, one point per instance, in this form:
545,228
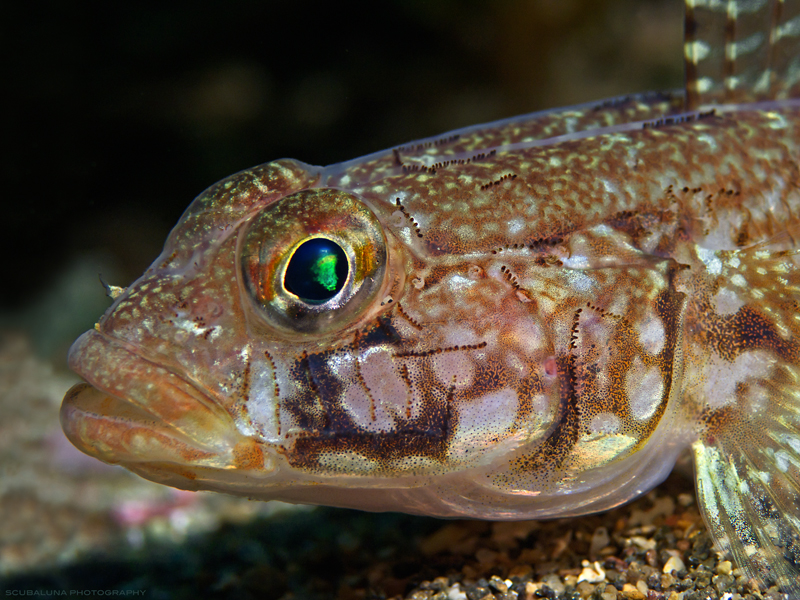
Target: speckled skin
541,314
521,335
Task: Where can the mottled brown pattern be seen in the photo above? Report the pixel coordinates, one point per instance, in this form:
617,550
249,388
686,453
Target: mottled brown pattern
551,453
731,335
537,316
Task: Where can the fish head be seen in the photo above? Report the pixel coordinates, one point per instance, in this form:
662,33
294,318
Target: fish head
182,372
297,336
165,366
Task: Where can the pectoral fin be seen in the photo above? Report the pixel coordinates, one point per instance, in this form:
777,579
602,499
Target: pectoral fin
747,387
748,488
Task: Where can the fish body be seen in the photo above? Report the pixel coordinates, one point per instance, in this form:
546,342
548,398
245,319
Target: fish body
524,319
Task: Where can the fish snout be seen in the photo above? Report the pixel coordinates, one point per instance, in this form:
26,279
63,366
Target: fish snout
138,414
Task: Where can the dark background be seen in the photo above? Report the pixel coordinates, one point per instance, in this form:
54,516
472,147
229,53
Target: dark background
119,113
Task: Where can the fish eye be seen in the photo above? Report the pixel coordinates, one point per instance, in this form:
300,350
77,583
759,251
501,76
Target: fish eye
317,271
311,263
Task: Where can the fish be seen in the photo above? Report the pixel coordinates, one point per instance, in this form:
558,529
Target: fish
526,319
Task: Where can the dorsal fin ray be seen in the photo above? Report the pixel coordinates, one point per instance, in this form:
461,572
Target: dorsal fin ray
739,51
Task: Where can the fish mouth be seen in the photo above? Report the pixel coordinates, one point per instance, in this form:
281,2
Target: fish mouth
138,414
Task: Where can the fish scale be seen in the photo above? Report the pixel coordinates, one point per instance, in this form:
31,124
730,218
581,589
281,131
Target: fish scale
529,318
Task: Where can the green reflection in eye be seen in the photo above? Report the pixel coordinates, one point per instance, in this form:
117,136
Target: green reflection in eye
324,271
317,271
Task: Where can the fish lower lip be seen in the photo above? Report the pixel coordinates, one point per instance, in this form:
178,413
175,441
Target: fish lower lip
137,414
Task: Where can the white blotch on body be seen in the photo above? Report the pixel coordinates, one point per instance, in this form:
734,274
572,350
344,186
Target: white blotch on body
459,283
651,334
727,302
458,335
710,260
485,418
610,187
342,365
515,226
262,404
578,280
390,393
528,336
453,368
466,231
644,387
358,405
712,143
605,423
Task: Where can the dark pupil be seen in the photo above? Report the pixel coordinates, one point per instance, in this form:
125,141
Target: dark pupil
316,271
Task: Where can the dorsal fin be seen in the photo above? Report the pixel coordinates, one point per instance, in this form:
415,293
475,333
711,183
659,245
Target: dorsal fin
741,51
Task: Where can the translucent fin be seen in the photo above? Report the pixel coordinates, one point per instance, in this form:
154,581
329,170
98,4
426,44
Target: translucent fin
748,489
748,455
739,51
